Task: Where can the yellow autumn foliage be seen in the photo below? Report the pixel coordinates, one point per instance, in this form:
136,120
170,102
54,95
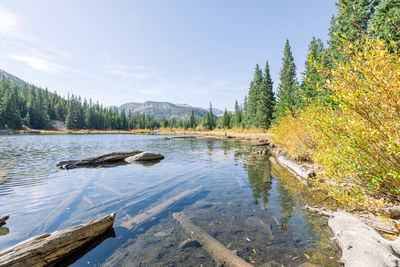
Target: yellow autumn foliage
356,142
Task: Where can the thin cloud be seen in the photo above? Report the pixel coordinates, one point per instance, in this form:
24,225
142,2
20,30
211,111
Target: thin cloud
8,23
135,72
38,63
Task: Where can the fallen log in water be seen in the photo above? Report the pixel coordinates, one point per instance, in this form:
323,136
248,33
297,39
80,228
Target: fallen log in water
361,245
149,215
97,160
48,249
3,219
222,255
299,170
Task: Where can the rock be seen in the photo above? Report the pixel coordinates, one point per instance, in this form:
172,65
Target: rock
144,156
189,243
97,160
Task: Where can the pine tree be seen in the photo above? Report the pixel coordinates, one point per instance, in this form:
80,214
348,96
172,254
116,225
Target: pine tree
312,87
237,117
225,119
192,120
209,119
12,115
266,100
385,24
288,88
350,24
254,92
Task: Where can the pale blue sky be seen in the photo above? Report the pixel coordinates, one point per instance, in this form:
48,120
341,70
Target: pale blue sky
181,51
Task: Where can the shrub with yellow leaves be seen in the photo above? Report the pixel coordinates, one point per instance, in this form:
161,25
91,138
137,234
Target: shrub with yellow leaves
356,142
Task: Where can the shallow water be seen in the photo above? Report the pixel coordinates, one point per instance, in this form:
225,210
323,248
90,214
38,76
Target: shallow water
245,202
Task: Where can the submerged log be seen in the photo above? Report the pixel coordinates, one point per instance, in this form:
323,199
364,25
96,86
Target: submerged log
48,249
97,160
361,245
221,254
149,215
3,219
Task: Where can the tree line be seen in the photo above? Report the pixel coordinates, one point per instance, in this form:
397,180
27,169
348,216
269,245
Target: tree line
32,107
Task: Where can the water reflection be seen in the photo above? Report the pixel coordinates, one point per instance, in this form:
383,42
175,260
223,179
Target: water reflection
260,181
244,198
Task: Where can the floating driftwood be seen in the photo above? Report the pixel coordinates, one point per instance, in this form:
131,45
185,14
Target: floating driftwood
3,219
48,249
149,215
221,254
361,245
97,160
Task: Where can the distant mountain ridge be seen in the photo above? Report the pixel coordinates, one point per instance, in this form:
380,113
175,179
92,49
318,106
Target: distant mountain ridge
166,109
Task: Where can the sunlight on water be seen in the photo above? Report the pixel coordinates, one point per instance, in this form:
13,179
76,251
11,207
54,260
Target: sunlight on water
246,203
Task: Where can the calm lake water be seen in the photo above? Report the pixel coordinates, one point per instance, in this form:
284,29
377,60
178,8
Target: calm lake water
245,202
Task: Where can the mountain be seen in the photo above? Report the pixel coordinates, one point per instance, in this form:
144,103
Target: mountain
13,79
167,110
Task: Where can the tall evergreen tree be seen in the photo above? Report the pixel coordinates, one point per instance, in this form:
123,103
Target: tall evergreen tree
192,120
237,117
266,100
312,87
288,88
254,93
385,24
350,24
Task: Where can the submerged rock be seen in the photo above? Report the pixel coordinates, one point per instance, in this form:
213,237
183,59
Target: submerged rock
189,243
144,156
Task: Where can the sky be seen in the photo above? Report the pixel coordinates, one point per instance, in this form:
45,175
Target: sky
180,51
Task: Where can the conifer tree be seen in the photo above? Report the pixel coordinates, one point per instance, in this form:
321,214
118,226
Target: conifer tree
385,24
237,117
288,88
350,24
312,87
253,96
192,120
266,100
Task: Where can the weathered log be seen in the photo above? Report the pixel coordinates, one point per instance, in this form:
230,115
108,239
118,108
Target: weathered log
221,254
382,225
361,245
48,249
3,219
97,160
299,170
144,156
393,212
150,214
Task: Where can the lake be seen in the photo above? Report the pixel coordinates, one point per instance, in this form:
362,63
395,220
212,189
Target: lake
245,202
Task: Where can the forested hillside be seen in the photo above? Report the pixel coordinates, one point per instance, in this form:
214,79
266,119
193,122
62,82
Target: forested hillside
23,105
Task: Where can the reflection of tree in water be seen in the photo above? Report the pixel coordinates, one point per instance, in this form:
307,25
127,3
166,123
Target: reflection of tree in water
287,204
210,146
260,181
